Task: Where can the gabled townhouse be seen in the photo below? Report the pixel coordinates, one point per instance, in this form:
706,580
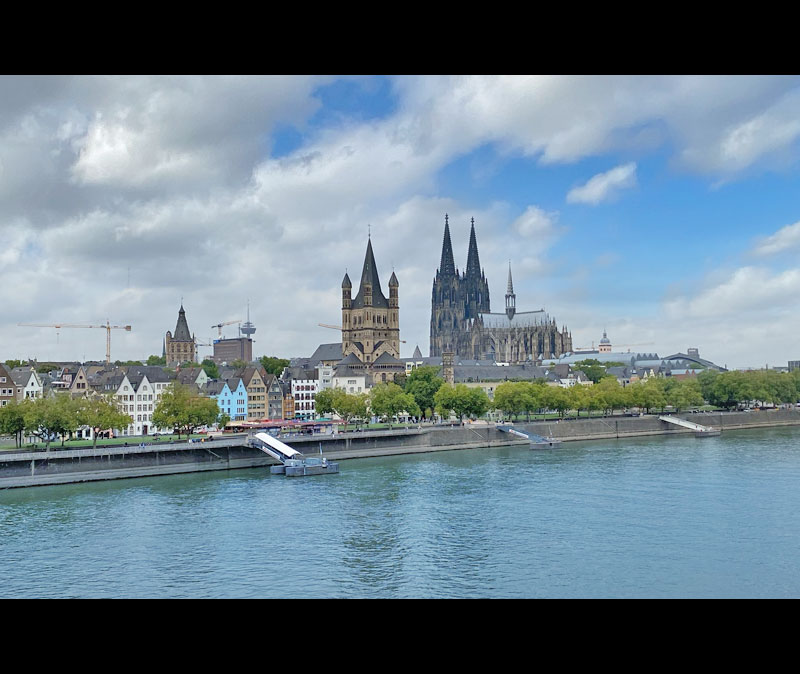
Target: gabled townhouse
8,390
231,397
274,398
193,377
254,381
138,393
305,387
28,383
79,386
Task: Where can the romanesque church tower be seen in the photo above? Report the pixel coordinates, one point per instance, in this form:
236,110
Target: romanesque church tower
370,321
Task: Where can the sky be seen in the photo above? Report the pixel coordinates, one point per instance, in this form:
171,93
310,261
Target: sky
663,209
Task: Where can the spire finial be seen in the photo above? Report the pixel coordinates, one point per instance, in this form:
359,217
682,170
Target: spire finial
473,222
369,231
445,218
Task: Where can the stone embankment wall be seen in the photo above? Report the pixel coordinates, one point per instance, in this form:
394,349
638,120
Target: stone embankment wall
622,427
32,468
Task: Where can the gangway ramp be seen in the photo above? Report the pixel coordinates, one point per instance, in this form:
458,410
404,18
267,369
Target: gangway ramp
274,447
700,431
537,441
294,463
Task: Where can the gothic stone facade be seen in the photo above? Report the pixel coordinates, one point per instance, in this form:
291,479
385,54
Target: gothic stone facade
181,347
462,322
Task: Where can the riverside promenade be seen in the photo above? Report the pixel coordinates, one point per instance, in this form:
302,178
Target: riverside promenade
27,468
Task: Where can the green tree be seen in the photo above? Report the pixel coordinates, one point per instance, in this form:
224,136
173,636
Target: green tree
12,421
388,399
182,410
345,405
210,368
274,365
157,360
15,363
593,368
101,413
47,418
461,400
682,394
238,364
423,383
222,421
510,397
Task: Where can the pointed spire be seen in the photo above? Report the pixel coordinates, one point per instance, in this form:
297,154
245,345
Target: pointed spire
447,266
369,277
511,299
473,261
182,328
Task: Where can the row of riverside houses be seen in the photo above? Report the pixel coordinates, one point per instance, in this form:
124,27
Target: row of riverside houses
248,393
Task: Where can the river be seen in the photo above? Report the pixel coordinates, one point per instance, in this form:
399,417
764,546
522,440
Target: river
642,517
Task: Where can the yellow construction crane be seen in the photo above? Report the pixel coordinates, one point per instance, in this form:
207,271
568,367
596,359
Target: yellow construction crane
219,326
339,327
108,328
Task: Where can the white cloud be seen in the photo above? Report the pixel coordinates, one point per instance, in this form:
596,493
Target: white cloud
172,178
604,186
785,238
536,223
747,290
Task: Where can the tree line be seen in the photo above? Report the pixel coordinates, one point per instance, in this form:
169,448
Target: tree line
179,408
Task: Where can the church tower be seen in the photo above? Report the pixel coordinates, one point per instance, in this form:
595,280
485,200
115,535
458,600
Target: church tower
182,347
476,288
447,305
370,322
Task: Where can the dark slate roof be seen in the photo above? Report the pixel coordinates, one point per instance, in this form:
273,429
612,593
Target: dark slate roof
417,353
393,283
182,333
20,375
233,383
327,352
351,359
153,373
387,359
214,387
188,376
291,373
369,274
346,281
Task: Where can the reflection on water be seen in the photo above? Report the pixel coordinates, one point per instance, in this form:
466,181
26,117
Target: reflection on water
644,517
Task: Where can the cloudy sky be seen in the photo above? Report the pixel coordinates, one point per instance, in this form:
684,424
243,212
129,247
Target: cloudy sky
663,209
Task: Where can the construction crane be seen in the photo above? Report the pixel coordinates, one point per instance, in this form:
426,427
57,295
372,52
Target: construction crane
108,328
339,327
219,326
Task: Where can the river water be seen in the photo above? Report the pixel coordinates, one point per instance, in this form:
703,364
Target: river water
642,517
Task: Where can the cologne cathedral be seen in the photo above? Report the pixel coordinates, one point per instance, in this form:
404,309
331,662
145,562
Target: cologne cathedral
462,321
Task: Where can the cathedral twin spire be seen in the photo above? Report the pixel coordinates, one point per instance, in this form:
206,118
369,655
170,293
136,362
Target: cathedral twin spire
447,266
